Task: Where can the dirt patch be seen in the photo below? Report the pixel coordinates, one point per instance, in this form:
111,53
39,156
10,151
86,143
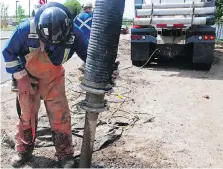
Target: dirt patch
166,120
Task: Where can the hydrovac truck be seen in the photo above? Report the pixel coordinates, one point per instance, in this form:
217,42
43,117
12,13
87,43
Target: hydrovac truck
164,30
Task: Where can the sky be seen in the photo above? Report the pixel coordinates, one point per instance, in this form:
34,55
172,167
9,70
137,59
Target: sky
129,8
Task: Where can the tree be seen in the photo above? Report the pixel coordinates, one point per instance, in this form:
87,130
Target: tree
21,13
219,6
3,11
74,6
3,14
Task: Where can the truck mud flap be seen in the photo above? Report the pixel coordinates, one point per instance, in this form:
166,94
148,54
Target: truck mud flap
140,52
203,53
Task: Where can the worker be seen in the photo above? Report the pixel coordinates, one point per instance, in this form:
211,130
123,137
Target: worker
84,19
45,42
84,22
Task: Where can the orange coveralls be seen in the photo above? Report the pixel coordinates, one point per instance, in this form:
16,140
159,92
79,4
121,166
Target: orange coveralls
51,89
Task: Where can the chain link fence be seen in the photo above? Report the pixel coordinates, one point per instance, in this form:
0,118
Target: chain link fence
219,30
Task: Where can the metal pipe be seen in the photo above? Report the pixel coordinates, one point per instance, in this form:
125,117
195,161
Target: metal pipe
94,104
170,5
88,139
175,11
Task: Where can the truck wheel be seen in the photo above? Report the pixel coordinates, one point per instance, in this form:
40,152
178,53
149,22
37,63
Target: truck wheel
138,63
202,66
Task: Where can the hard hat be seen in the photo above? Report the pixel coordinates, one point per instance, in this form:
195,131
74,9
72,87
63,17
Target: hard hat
88,4
54,26
50,16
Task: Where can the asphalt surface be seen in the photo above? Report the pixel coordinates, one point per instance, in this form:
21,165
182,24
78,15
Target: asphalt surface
4,37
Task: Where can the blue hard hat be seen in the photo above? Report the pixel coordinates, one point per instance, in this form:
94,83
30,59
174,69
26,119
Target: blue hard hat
53,23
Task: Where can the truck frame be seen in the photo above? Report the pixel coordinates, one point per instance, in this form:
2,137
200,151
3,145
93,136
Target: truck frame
167,29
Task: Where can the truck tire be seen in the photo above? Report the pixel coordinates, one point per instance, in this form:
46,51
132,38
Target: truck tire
136,63
202,66
203,56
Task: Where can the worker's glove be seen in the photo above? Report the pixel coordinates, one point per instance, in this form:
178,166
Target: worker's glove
26,83
115,73
82,70
14,87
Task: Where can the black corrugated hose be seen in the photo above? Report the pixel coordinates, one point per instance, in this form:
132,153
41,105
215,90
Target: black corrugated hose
103,44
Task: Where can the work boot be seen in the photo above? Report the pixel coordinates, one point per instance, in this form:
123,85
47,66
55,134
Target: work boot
82,68
67,162
20,159
14,87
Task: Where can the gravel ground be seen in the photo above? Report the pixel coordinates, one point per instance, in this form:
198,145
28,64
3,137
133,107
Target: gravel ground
173,115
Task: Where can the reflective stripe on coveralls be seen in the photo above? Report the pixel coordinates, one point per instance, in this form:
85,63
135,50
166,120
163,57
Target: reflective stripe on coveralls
84,23
66,54
32,32
12,64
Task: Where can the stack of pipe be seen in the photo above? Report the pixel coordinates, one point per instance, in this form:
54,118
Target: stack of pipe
194,13
176,11
170,5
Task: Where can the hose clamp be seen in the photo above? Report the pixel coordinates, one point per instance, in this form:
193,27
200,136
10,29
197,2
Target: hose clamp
94,108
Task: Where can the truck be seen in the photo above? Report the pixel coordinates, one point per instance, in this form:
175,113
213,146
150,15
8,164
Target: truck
164,30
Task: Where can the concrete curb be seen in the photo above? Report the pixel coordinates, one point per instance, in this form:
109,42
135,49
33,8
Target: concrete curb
3,38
